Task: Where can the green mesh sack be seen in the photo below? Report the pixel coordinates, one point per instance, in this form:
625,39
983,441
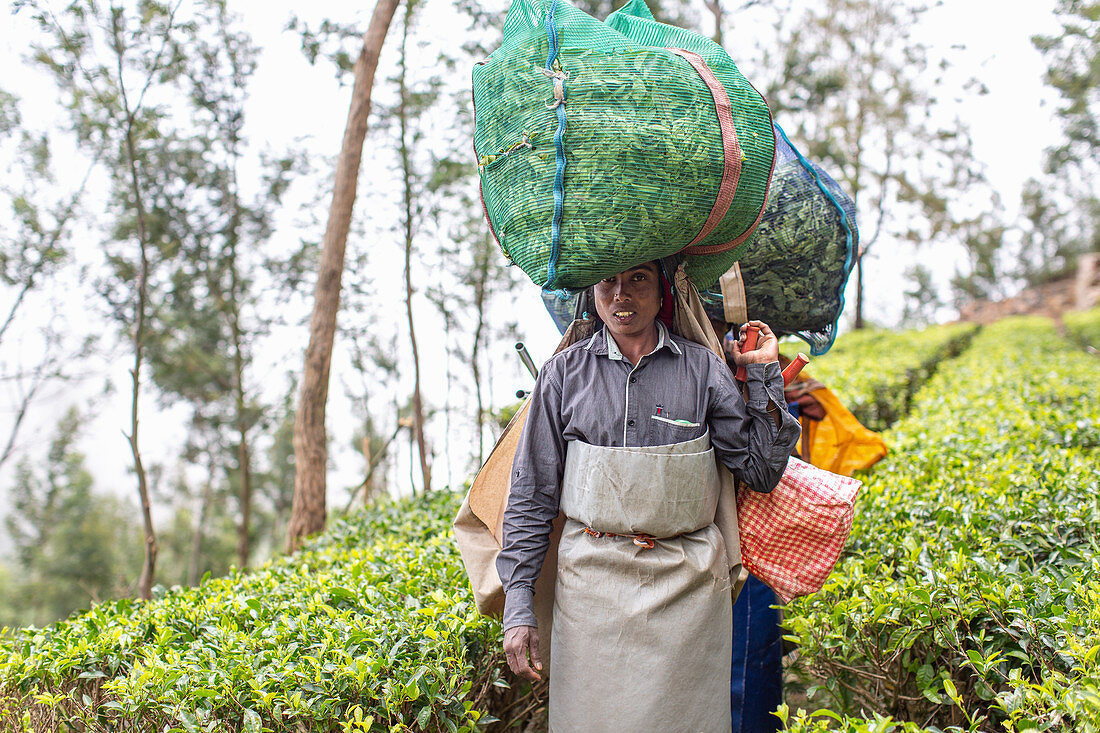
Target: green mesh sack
599,147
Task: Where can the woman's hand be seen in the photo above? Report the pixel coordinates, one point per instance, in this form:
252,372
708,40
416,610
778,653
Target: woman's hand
519,643
767,346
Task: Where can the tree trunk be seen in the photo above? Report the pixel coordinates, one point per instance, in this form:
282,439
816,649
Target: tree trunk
715,7
241,418
417,404
195,563
481,287
406,169
244,531
149,564
310,449
859,292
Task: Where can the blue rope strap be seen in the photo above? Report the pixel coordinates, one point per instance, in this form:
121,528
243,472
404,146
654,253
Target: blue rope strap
558,77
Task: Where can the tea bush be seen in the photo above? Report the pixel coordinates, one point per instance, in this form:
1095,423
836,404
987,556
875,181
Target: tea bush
824,721
969,598
1084,327
876,373
370,628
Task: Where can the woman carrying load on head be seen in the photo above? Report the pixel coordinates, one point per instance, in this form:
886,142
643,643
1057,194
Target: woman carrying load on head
621,436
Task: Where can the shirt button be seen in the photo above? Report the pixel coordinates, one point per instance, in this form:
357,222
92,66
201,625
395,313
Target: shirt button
630,423
633,380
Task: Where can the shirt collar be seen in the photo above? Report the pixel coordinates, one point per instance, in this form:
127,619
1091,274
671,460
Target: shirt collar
602,342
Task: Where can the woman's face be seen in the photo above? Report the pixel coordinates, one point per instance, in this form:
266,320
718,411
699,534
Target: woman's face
629,302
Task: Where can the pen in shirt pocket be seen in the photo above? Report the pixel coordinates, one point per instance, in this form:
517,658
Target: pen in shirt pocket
663,417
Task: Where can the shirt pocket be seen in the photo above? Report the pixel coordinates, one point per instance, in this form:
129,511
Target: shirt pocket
666,431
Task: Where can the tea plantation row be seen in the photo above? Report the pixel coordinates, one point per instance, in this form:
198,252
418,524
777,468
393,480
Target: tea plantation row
876,373
372,627
970,595
1084,327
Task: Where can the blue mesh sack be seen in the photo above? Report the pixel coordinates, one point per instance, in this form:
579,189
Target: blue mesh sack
794,274
562,307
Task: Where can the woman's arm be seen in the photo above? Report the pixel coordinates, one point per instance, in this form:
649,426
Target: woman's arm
532,500
753,437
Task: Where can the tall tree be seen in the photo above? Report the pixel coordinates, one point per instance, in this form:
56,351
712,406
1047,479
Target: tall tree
201,351
410,105
108,63
226,103
310,448
857,92
1063,209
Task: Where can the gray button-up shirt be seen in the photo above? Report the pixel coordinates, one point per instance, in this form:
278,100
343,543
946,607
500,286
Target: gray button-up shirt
590,392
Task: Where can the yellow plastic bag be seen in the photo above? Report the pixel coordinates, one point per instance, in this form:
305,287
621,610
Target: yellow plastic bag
839,443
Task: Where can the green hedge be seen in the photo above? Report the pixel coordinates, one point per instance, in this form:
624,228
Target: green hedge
876,373
1084,327
970,595
371,627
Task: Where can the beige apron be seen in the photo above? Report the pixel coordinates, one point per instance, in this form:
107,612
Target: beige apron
642,637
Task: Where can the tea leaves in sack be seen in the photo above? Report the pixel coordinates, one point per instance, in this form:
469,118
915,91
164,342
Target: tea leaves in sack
796,269
597,151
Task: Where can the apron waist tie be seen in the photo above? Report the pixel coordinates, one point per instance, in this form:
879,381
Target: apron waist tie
645,541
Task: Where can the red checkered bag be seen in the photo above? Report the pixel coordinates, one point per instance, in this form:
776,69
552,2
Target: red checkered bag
791,538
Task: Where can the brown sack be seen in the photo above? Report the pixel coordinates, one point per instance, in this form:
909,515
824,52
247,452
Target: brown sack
479,526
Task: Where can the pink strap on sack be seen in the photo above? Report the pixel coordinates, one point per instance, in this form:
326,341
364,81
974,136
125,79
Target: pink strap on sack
722,247
731,147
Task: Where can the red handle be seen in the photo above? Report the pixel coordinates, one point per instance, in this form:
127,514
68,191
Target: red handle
751,334
794,368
